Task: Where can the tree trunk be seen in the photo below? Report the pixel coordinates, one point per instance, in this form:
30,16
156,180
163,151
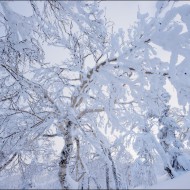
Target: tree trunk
114,171
107,177
65,157
8,162
113,168
169,171
167,167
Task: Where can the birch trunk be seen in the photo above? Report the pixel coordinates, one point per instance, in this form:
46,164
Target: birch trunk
65,157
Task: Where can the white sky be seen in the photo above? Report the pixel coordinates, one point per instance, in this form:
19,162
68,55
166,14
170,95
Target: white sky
124,13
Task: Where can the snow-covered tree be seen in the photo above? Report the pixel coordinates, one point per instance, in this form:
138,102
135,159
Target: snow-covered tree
104,86
70,95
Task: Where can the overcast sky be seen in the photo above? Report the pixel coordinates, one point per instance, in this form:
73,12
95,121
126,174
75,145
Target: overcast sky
124,13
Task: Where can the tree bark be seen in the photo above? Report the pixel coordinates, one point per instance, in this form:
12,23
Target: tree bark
169,171
8,162
114,170
107,177
65,157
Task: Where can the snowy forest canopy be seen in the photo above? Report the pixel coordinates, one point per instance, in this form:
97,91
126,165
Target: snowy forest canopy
109,99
